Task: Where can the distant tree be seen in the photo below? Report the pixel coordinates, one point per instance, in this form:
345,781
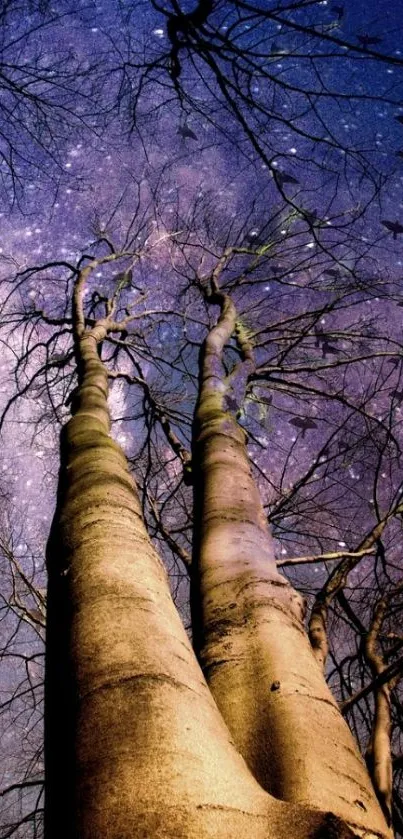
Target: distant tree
50,98
22,660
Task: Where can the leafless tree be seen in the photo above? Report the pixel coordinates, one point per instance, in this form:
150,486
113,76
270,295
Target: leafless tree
51,91
313,338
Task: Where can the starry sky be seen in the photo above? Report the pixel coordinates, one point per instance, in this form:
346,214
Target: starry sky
286,134
313,167
319,136
113,143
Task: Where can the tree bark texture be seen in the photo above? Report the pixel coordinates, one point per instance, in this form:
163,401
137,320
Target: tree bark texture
248,625
135,744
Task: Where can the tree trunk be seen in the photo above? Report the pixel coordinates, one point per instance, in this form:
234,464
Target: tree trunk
135,745
379,752
248,626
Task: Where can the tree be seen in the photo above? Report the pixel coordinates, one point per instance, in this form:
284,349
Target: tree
50,100
281,84
143,748
291,268
23,618
115,305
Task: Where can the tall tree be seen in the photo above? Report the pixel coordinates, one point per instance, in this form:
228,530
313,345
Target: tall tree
288,343
136,740
314,378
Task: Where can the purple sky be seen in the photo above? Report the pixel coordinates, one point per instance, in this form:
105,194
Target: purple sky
189,194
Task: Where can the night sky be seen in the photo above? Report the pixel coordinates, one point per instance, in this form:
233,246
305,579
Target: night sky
286,134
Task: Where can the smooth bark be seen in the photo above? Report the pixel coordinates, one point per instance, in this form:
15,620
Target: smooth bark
135,743
248,624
